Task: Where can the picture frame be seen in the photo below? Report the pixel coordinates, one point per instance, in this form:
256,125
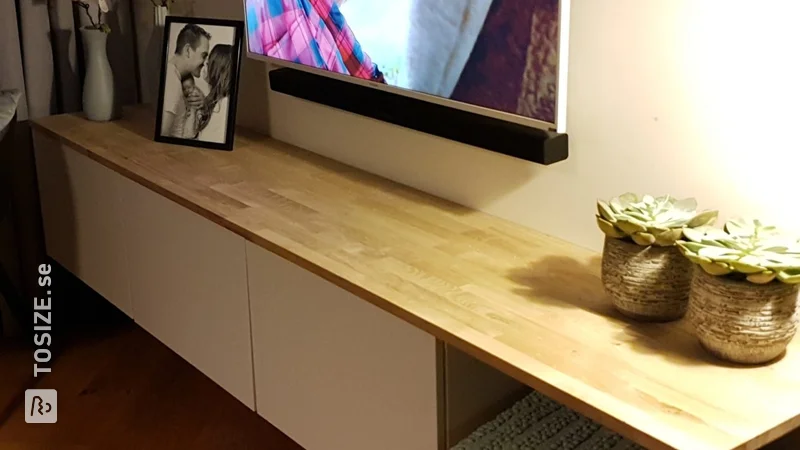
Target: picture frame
199,82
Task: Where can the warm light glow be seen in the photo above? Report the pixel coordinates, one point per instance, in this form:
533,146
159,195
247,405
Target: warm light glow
741,69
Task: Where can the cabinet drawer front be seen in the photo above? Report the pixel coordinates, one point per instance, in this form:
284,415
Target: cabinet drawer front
335,372
189,288
83,221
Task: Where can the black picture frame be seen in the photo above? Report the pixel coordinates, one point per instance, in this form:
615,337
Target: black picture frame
236,62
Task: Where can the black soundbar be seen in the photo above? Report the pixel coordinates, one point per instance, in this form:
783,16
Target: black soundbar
530,144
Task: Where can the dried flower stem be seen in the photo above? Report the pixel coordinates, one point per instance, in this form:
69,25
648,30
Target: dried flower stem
89,15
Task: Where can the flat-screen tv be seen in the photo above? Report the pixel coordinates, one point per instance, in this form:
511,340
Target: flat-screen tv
500,58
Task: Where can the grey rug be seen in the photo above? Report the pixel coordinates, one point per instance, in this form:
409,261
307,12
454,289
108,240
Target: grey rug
539,423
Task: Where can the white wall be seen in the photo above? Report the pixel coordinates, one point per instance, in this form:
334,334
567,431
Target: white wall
689,97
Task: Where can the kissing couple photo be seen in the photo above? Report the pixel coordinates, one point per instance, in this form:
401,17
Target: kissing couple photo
199,78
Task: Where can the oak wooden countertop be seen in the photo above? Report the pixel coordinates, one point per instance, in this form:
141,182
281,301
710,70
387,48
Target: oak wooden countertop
526,303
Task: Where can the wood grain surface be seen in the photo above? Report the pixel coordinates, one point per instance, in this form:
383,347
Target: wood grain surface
528,304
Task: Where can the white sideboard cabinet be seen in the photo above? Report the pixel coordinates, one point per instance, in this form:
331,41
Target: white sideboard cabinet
178,275
329,369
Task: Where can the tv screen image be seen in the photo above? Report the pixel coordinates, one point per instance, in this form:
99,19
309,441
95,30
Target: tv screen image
503,55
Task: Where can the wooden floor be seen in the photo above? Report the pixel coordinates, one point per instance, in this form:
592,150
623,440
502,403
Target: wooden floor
119,388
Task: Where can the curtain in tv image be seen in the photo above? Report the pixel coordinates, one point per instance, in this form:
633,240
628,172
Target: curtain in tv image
500,54
513,66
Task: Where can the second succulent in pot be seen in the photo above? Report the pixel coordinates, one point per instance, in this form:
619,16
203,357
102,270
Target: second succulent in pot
743,300
643,272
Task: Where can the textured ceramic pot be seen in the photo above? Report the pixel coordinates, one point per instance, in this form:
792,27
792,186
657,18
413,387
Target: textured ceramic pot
98,85
646,283
742,322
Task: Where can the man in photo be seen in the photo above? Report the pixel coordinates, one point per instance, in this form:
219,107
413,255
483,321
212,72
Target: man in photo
191,52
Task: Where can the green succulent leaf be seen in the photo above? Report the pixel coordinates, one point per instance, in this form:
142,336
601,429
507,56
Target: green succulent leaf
609,229
715,252
742,246
743,227
740,227
631,226
706,234
626,216
693,235
788,259
643,238
778,264
628,198
716,268
693,247
688,205
616,206
697,259
668,237
605,211
762,278
644,217
745,268
657,229
664,199
728,258
705,218
791,276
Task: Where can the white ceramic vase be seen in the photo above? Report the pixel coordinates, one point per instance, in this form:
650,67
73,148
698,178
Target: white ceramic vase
98,84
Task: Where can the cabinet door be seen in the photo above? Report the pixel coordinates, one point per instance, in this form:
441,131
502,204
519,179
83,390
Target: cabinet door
189,288
83,225
334,372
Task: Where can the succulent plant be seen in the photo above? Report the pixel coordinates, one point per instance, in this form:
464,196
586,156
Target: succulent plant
746,249
650,221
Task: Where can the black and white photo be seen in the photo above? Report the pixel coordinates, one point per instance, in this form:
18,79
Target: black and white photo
199,79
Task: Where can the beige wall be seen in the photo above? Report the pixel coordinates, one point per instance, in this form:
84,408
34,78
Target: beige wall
688,97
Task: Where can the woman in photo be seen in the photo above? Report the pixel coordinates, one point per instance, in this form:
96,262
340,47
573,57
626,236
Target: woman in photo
213,115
